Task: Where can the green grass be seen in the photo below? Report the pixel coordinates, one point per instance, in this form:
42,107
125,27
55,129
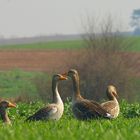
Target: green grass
19,83
13,83
16,82
125,127
133,44
49,45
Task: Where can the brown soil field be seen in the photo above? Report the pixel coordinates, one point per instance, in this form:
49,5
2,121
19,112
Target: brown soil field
34,60
47,60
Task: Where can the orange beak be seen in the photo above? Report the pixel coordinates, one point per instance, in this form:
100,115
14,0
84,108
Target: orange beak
11,105
63,77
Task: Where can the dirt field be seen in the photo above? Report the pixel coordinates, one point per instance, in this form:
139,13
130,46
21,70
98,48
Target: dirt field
45,60
41,60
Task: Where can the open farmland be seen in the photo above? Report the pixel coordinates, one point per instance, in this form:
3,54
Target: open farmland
54,56
29,63
135,44
39,60
74,44
47,60
51,57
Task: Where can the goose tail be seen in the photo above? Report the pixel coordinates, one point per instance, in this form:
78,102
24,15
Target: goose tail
108,115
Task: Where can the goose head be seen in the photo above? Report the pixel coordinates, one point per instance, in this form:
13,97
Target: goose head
56,78
111,92
6,104
59,77
3,106
73,74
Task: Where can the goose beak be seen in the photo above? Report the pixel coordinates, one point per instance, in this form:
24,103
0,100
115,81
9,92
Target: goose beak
63,77
11,105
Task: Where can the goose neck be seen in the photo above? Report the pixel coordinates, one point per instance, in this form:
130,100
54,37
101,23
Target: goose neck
111,96
56,96
4,116
76,88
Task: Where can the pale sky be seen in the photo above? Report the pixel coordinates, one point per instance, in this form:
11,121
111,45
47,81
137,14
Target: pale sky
23,18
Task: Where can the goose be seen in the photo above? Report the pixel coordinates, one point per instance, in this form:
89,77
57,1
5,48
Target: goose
3,106
112,106
55,110
84,109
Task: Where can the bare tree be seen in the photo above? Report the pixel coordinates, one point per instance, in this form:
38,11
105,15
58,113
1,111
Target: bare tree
102,62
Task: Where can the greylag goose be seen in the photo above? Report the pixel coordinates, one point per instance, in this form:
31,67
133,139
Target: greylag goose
84,109
53,111
3,106
112,106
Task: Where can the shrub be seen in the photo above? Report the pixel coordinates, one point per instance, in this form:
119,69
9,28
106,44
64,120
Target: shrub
130,110
102,62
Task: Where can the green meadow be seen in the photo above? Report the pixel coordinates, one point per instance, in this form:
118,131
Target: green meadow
134,45
74,44
17,82
125,127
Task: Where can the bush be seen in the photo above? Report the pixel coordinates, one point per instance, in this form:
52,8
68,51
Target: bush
130,110
102,62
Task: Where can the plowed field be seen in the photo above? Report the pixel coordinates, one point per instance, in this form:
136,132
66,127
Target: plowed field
45,60
39,60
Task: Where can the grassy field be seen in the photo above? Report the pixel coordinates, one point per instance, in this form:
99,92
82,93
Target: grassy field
75,44
17,82
134,45
125,127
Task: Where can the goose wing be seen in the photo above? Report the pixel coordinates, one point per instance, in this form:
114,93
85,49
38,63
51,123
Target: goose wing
89,109
44,113
111,106
99,108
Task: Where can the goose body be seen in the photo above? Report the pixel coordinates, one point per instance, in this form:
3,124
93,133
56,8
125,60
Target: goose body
3,106
112,106
84,109
55,110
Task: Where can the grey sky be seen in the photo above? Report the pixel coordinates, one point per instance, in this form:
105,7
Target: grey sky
46,17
